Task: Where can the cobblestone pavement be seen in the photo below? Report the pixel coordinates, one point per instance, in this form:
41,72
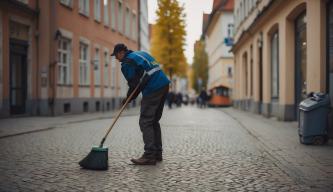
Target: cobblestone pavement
310,164
204,150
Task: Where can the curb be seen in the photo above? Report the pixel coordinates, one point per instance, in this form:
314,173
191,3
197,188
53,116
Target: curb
60,126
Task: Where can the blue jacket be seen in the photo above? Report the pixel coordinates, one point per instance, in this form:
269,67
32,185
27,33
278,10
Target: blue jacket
133,66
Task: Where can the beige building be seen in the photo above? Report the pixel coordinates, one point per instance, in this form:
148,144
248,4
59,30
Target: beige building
55,55
217,33
283,51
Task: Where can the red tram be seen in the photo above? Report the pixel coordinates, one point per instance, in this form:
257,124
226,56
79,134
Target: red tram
220,96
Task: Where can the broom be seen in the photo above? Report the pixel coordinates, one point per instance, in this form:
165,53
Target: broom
97,159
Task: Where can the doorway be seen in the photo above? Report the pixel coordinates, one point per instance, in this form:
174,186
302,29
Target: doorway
330,50
260,51
18,76
300,60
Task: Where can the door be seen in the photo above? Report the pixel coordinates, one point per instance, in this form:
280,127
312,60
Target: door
330,50
18,76
300,60
260,78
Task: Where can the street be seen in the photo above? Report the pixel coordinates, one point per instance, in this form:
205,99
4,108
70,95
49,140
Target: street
204,150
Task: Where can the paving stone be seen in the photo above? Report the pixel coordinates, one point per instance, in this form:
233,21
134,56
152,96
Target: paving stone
204,150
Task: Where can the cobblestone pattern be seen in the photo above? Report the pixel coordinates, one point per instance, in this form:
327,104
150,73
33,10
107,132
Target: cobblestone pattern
310,164
204,150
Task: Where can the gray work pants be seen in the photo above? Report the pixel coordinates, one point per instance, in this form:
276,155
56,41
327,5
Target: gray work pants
151,112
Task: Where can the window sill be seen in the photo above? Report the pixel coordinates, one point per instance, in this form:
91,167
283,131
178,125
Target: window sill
97,21
70,7
98,86
64,85
106,26
134,40
128,38
84,86
86,15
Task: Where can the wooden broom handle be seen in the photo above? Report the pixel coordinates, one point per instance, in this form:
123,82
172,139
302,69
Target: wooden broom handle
120,111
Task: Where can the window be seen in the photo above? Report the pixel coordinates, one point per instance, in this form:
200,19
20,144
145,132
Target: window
134,27
127,22
229,71
64,61
97,8
237,17
23,1
113,72
241,12
106,68
113,15
106,12
97,67
230,30
84,64
244,8
84,7
275,65
120,17
68,3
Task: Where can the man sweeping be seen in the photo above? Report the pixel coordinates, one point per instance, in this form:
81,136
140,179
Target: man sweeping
140,67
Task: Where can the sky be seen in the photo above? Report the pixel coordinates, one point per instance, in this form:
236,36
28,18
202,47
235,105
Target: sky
194,10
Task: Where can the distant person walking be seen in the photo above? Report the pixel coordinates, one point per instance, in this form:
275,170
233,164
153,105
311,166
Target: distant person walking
203,98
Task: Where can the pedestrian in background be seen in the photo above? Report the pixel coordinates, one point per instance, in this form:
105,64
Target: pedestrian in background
154,87
170,99
203,98
179,99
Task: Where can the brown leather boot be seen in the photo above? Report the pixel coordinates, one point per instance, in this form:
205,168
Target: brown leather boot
144,161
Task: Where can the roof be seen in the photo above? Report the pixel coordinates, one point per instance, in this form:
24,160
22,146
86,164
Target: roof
218,5
205,18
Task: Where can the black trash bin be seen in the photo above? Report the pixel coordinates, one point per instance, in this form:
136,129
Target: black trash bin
313,121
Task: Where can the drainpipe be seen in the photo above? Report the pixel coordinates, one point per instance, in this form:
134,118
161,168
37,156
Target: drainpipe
52,53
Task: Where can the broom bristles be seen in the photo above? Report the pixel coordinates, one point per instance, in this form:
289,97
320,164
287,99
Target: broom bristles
97,159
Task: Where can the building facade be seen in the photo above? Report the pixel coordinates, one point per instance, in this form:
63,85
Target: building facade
144,26
55,55
218,32
283,51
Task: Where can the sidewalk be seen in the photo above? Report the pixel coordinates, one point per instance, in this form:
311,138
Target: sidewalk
312,165
23,125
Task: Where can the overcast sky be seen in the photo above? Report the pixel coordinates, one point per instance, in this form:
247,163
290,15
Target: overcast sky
194,10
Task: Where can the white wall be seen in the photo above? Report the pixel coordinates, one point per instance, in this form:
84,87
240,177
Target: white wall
217,50
144,27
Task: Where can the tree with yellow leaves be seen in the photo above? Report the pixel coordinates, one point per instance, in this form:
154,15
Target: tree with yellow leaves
168,37
200,66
